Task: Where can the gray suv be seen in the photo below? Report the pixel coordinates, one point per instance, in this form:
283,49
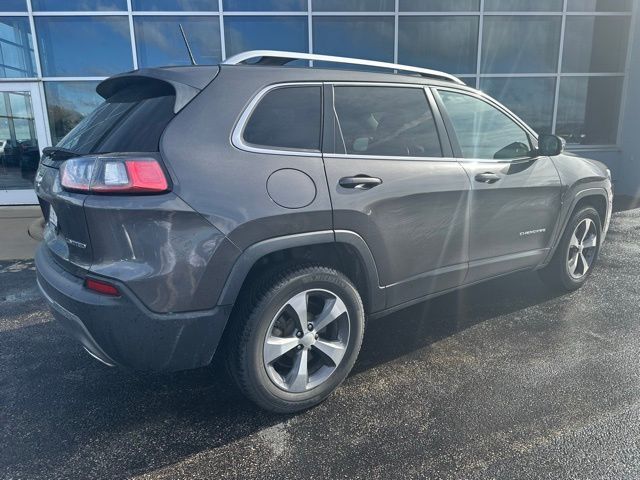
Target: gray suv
262,211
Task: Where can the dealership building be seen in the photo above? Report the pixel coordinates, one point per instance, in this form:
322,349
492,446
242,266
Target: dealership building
571,67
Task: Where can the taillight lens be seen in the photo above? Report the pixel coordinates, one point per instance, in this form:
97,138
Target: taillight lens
113,175
101,287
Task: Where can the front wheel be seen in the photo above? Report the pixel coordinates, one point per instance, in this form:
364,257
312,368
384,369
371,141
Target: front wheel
576,253
297,335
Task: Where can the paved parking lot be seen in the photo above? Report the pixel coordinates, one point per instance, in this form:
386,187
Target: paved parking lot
503,380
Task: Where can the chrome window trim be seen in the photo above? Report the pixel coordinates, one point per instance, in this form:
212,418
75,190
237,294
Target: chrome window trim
237,135
386,157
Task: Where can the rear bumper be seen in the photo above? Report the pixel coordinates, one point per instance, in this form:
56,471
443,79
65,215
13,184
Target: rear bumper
121,331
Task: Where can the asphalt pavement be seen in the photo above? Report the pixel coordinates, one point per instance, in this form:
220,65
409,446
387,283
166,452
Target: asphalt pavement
503,380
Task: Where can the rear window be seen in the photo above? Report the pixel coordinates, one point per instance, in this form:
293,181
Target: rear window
287,118
131,120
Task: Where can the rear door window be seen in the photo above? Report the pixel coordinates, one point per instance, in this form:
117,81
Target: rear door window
131,120
386,121
287,118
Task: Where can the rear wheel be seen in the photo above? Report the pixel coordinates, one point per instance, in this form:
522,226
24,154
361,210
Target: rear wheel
577,251
296,337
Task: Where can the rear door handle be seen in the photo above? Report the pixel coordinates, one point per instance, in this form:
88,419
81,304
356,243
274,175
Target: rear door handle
362,182
487,177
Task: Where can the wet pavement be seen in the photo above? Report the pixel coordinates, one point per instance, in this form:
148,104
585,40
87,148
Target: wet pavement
502,380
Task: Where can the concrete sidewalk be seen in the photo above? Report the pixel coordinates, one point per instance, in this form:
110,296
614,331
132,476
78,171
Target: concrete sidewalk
15,241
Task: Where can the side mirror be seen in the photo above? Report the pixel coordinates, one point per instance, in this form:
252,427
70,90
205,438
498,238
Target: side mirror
550,145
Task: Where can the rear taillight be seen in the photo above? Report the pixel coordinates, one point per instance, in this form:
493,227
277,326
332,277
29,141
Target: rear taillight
101,287
113,175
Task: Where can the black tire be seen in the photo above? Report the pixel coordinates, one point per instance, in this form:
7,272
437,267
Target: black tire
557,274
266,301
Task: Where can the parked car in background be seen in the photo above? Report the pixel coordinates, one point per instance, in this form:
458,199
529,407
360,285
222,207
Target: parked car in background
263,212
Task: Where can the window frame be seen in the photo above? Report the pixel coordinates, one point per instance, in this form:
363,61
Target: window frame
453,136
331,119
237,135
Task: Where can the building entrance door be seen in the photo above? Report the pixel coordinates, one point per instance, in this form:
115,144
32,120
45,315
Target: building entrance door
22,137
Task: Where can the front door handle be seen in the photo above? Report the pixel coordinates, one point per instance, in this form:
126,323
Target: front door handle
362,182
487,177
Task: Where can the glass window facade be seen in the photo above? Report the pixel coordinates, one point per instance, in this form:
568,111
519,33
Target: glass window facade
175,5
13,6
514,44
443,43
16,48
264,5
77,5
439,5
265,33
595,44
84,46
523,5
159,40
511,49
361,37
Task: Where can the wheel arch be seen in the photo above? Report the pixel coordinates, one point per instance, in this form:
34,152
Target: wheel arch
595,197
343,250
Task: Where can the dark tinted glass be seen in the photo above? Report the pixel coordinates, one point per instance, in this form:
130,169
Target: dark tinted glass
68,103
483,131
443,43
588,110
132,120
264,5
599,5
386,121
79,46
529,98
16,52
265,33
353,5
520,44
176,5
523,5
595,44
287,117
160,42
78,5
13,6
359,37
439,5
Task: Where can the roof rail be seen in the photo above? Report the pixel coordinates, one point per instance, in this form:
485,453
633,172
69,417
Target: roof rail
274,57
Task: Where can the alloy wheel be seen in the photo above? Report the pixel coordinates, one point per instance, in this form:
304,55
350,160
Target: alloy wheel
306,340
582,248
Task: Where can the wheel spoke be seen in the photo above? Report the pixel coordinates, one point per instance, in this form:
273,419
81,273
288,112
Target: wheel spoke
585,264
299,376
334,350
333,308
574,242
299,305
587,227
573,263
275,347
590,241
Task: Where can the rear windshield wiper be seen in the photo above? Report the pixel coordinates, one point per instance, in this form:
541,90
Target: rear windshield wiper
59,153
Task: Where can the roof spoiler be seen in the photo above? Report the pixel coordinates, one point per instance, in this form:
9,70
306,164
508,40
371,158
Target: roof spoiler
187,82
